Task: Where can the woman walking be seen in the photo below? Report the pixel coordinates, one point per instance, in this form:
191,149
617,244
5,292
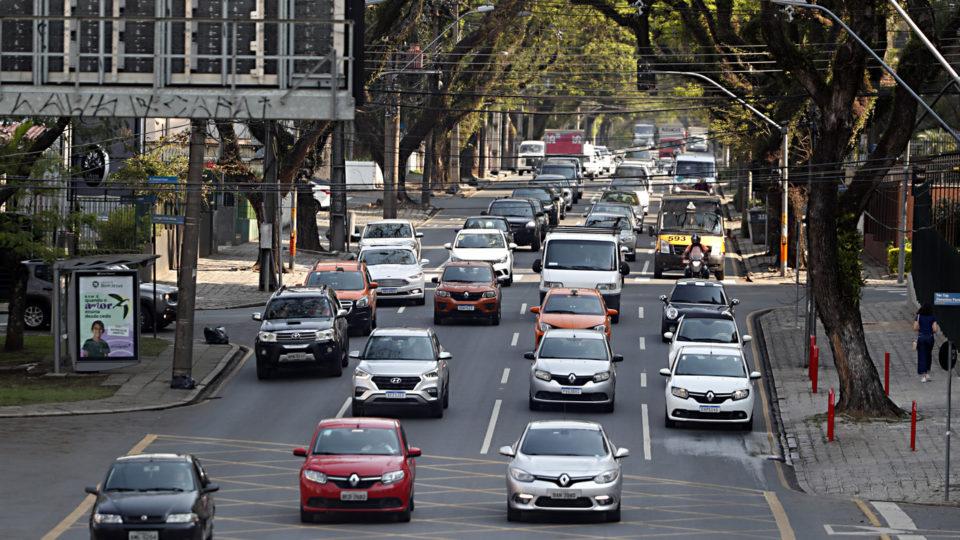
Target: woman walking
925,325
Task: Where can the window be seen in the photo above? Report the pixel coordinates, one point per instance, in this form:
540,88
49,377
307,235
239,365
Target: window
467,274
399,348
479,223
388,230
337,280
151,476
579,348
579,305
538,194
480,241
374,257
708,330
695,168
623,197
299,308
531,147
608,222
43,272
561,170
512,210
357,442
563,442
581,255
615,209
704,216
710,365
696,294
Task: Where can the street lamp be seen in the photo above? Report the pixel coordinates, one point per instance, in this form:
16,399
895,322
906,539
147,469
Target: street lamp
784,130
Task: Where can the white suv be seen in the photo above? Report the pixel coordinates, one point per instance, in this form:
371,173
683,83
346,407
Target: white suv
390,232
486,245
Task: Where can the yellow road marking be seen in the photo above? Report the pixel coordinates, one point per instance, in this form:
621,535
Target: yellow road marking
871,517
87,503
771,438
783,522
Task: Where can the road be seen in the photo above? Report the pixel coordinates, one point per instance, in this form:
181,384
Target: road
679,483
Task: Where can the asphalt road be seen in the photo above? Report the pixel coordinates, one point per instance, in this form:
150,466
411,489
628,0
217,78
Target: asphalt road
679,483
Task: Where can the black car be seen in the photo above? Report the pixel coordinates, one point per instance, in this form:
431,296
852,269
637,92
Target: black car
498,223
302,326
693,296
526,219
568,171
551,198
153,497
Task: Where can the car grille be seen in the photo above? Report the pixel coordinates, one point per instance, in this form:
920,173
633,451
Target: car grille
585,398
138,518
556,480
301,336
717,398
722,415
343,483
396,383
518,226
346,304
466,295
392,282
579,502
380,502
565,380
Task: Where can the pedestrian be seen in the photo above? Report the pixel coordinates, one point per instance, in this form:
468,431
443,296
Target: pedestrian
925,325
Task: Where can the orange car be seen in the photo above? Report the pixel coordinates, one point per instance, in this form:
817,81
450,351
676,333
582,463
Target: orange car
355,291
574,309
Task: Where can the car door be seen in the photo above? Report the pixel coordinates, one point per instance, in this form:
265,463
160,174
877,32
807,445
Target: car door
441,363
411,462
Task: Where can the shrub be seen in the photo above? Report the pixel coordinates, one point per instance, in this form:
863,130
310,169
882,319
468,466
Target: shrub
122,231
893,258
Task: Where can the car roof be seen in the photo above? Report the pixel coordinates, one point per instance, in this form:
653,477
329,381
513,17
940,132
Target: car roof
698,282
564,424
561,333
365,422
481,231
710,349
335,266
156,457
569,290
696,157
401,332
585,236
383,221
467,263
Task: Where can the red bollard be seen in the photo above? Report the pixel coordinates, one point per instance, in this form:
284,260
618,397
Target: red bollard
814,367
886,373
913,427
830,415
813,345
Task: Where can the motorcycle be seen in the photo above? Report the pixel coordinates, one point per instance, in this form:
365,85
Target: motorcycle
697,267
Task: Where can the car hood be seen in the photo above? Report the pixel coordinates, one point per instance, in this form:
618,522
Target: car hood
147,288
393,271
587,279
557,465
364,242
277,325
687,309
479,254
514,220
465,287
350,295
155,503
717,385
563,366
564,320
361,465
400,368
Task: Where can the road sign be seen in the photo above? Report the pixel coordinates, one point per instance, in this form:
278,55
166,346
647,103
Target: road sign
946,299
161,219
159,180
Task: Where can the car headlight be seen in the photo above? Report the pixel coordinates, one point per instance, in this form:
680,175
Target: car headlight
664,246
267,337
442,294
454,258
520,475
315,476
544,327
361,374
167,297
502,260
106,519
553,284
671,312
490,294
391,477
415,277
325,335
600,327
679,392
607,286
741,394
542,375
432,374
531,224
607,476
602,376
363,302
181,518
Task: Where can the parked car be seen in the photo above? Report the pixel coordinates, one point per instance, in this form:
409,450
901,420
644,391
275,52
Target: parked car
487,246
527,223
152,496
398,273
693,296
302,326
711,329
499,223
582,309
564,466
573,366
354,288
709,384
467,290
355,465
390,232
402,368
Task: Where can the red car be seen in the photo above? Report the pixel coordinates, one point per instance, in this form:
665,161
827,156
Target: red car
357,465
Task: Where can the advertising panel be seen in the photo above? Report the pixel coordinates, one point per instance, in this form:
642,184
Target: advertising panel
108,310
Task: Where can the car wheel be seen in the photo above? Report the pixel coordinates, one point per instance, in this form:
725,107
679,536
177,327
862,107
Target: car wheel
535,245
146,318
668,423
509,281
496,318
307,517
719,274
613,516
446,398
420,301
36,315
263,371
534,406
437,320
631,257
748,425
513,514
657,272
609,407
368,328
356,409
436,409
413,506
404,516
344,358
615,319
336,369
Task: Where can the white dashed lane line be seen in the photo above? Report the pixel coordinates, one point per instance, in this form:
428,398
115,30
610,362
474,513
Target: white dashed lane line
343,408
506,375
491,426
643,379
400,311
643,343
516,337
646,266
640,312
523,308
646,432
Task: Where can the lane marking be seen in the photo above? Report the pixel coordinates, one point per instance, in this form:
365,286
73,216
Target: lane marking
87,503
643,343
518,277
643,379
506,375
513,341
343,408
897,519
523,308
491,425
646,432
640,312
771,438
780,516
646,266
399,311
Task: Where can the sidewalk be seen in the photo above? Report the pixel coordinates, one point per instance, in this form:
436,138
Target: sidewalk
145,386
868,460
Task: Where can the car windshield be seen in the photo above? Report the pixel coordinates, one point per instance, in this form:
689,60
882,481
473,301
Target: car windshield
150,476
299,308
562,170
638,154
710,365
643,130
697,294
373,257
568,303
549,441
480,241
467,274
399,348
336,280
629,176
539,194
581,255
703,217
574,347
512,210
617,209
621,197
607,222
707,330
531,147
357,442
483,223
388,230
695,168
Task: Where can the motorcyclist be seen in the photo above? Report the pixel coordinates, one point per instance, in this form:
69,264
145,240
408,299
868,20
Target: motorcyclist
695,248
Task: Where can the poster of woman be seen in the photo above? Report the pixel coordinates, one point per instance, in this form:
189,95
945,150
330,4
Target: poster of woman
96,346
106,316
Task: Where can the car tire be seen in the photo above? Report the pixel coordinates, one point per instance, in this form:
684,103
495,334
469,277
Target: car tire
668,423
437,320
631,257
719,274
403,516
446,397
436,409
513,514
664,330
345,357
509,281
336,370
420,301
533,405
495,321
613,516
307,517
147,318
535,245
748,425
615,319
368,328
608,407
657,272
356,409
263,370
373,324
36,315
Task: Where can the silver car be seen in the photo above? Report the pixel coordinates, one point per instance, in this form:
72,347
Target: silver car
573,366
564,466
402,368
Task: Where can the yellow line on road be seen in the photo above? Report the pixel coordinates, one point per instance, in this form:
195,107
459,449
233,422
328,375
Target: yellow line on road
871,517
87,503
783,522
771,437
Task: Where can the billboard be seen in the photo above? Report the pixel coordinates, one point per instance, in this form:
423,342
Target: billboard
108,312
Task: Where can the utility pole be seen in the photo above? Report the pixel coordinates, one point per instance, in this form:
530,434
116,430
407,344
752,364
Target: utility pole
784,202
183,337
268,278
811,299
902,230
454,158
338,191
391,155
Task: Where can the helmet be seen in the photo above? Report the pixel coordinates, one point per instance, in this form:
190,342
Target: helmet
695,239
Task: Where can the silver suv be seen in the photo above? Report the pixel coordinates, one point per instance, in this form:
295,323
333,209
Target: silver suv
402,368
573,366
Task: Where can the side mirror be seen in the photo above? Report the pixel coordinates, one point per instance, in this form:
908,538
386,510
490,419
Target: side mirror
624,269
512,246
448,245
483,213
665,372
621,453
613,312
445,355
507,451
210,488
374,284
747,338
257,316
668,336
424,262
92,490
618,358
413,451
434,279
663,298
300,452
354,354
537,266
355,237
529,355
535,309
624,249
754,375
735,302
342,313
418,235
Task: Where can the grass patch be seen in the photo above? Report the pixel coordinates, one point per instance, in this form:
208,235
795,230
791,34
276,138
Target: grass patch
39,348
22,389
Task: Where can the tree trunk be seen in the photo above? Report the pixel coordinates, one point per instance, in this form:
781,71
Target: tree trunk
18,301
308,236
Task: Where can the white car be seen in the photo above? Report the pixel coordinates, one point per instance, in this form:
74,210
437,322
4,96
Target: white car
397,272
709,384
713,329
486,245
605,158
390,232
321,194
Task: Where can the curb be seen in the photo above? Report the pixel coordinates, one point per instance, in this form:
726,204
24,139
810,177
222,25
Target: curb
237,354
238,306
755,327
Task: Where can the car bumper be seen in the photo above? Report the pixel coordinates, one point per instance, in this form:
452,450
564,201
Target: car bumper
326,497
169,314
524,236
165,531
412,290
446,307
277,354
553,392
723,413
359,317
537,496
367,394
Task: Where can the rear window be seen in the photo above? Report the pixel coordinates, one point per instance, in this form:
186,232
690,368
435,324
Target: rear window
512,209
388,230
697,294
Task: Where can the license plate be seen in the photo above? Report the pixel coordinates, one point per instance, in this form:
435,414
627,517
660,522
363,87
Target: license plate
353,495
297,356
565,494
396,394
143,535
388,290
466,308
710,408
571,391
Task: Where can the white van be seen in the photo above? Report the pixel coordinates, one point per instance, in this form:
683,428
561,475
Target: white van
690,168
363,175
583,257
530,155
